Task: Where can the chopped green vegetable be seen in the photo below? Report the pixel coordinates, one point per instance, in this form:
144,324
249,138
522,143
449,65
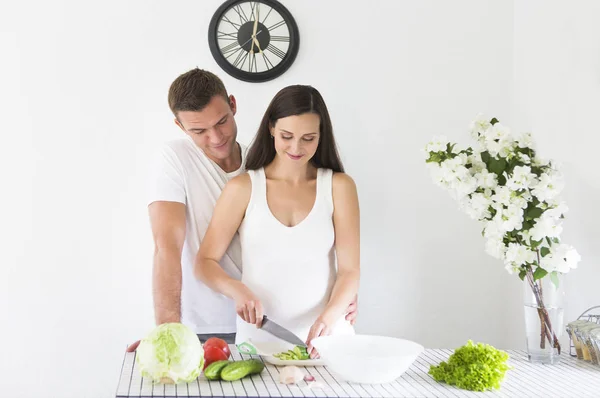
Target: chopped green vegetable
475,367
295,354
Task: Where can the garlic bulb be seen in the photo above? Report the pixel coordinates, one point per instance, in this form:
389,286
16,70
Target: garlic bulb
291,375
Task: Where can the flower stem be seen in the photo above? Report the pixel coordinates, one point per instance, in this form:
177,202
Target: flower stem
546,325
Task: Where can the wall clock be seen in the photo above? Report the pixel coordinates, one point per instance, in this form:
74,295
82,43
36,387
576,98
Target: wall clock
253,41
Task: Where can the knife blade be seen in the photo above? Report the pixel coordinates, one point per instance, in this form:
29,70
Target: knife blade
281,332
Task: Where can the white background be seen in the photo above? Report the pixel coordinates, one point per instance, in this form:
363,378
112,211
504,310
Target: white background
83,98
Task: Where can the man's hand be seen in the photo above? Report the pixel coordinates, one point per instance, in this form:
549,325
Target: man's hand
352,311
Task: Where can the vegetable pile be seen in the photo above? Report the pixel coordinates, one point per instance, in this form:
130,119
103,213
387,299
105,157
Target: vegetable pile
475,367
233,370
297,353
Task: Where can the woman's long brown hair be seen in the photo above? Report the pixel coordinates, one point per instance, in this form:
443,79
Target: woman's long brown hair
290,101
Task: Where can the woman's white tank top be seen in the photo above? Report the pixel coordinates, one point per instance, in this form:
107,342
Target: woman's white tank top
292,270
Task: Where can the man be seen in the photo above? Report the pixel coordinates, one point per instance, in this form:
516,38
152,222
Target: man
190,174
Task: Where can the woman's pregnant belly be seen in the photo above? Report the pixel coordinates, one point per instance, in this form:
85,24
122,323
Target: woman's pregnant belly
293,298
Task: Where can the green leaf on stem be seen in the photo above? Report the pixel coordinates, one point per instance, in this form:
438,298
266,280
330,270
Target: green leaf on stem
497,166
494,121
527,225
522,274
535,243
533,212
485,157
544,251
539,273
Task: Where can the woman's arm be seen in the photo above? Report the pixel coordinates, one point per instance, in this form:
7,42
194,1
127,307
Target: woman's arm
226,219
346,221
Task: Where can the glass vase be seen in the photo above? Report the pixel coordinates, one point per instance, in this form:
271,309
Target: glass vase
544,323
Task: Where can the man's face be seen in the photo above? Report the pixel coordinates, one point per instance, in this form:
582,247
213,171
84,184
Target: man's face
213,128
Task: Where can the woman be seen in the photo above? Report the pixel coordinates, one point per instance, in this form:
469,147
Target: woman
297,213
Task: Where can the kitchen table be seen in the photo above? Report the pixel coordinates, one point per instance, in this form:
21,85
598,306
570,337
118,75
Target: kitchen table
569,378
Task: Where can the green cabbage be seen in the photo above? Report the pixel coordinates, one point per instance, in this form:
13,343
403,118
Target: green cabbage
473,367
171,353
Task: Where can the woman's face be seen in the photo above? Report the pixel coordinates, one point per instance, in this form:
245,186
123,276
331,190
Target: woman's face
296,138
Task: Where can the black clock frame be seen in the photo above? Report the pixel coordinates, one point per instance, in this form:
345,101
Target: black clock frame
255,77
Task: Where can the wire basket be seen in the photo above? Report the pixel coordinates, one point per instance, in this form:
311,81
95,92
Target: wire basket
587,315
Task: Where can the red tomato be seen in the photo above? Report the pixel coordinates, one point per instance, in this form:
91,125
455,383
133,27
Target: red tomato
213,354
219,343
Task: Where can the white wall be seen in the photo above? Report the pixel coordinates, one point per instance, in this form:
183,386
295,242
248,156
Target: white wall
83,98
557,96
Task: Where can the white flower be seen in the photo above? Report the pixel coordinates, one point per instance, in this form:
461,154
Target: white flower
546,226
477,206
477,165
548,187
562,258
498,140
495,248
435,170
511,268
525,236
438,144
512,218
485,179
462,186
557,211
508,219
479,126
462,160
448,170
502,196
519,201
493,230
499,132
522,178
493,147
519,254
524,140
538,161
524,158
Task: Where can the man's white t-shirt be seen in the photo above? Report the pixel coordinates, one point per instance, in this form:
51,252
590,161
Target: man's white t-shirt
184,174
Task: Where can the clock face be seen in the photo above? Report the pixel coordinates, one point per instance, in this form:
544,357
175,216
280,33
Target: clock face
254,41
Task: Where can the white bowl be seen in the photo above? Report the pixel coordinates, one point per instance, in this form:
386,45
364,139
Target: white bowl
367,359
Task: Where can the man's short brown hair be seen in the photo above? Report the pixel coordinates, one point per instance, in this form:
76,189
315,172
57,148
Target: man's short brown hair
193,90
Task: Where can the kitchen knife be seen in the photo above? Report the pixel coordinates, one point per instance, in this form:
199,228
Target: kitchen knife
281,332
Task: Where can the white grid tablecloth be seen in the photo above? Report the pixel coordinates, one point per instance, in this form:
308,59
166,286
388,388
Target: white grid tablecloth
569,378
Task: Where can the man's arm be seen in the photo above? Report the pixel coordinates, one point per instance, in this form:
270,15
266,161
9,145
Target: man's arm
167,220
168,230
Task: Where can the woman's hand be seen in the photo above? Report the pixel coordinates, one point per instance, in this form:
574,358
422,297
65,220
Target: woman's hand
248,306
323,326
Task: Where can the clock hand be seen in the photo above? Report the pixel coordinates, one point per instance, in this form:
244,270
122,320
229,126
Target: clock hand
254,29
257,44
247,41
255,21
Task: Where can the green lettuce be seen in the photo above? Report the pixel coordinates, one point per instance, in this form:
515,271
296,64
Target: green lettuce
171,353
475,367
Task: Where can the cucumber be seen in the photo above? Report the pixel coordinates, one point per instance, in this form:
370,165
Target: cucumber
240,369
213,371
